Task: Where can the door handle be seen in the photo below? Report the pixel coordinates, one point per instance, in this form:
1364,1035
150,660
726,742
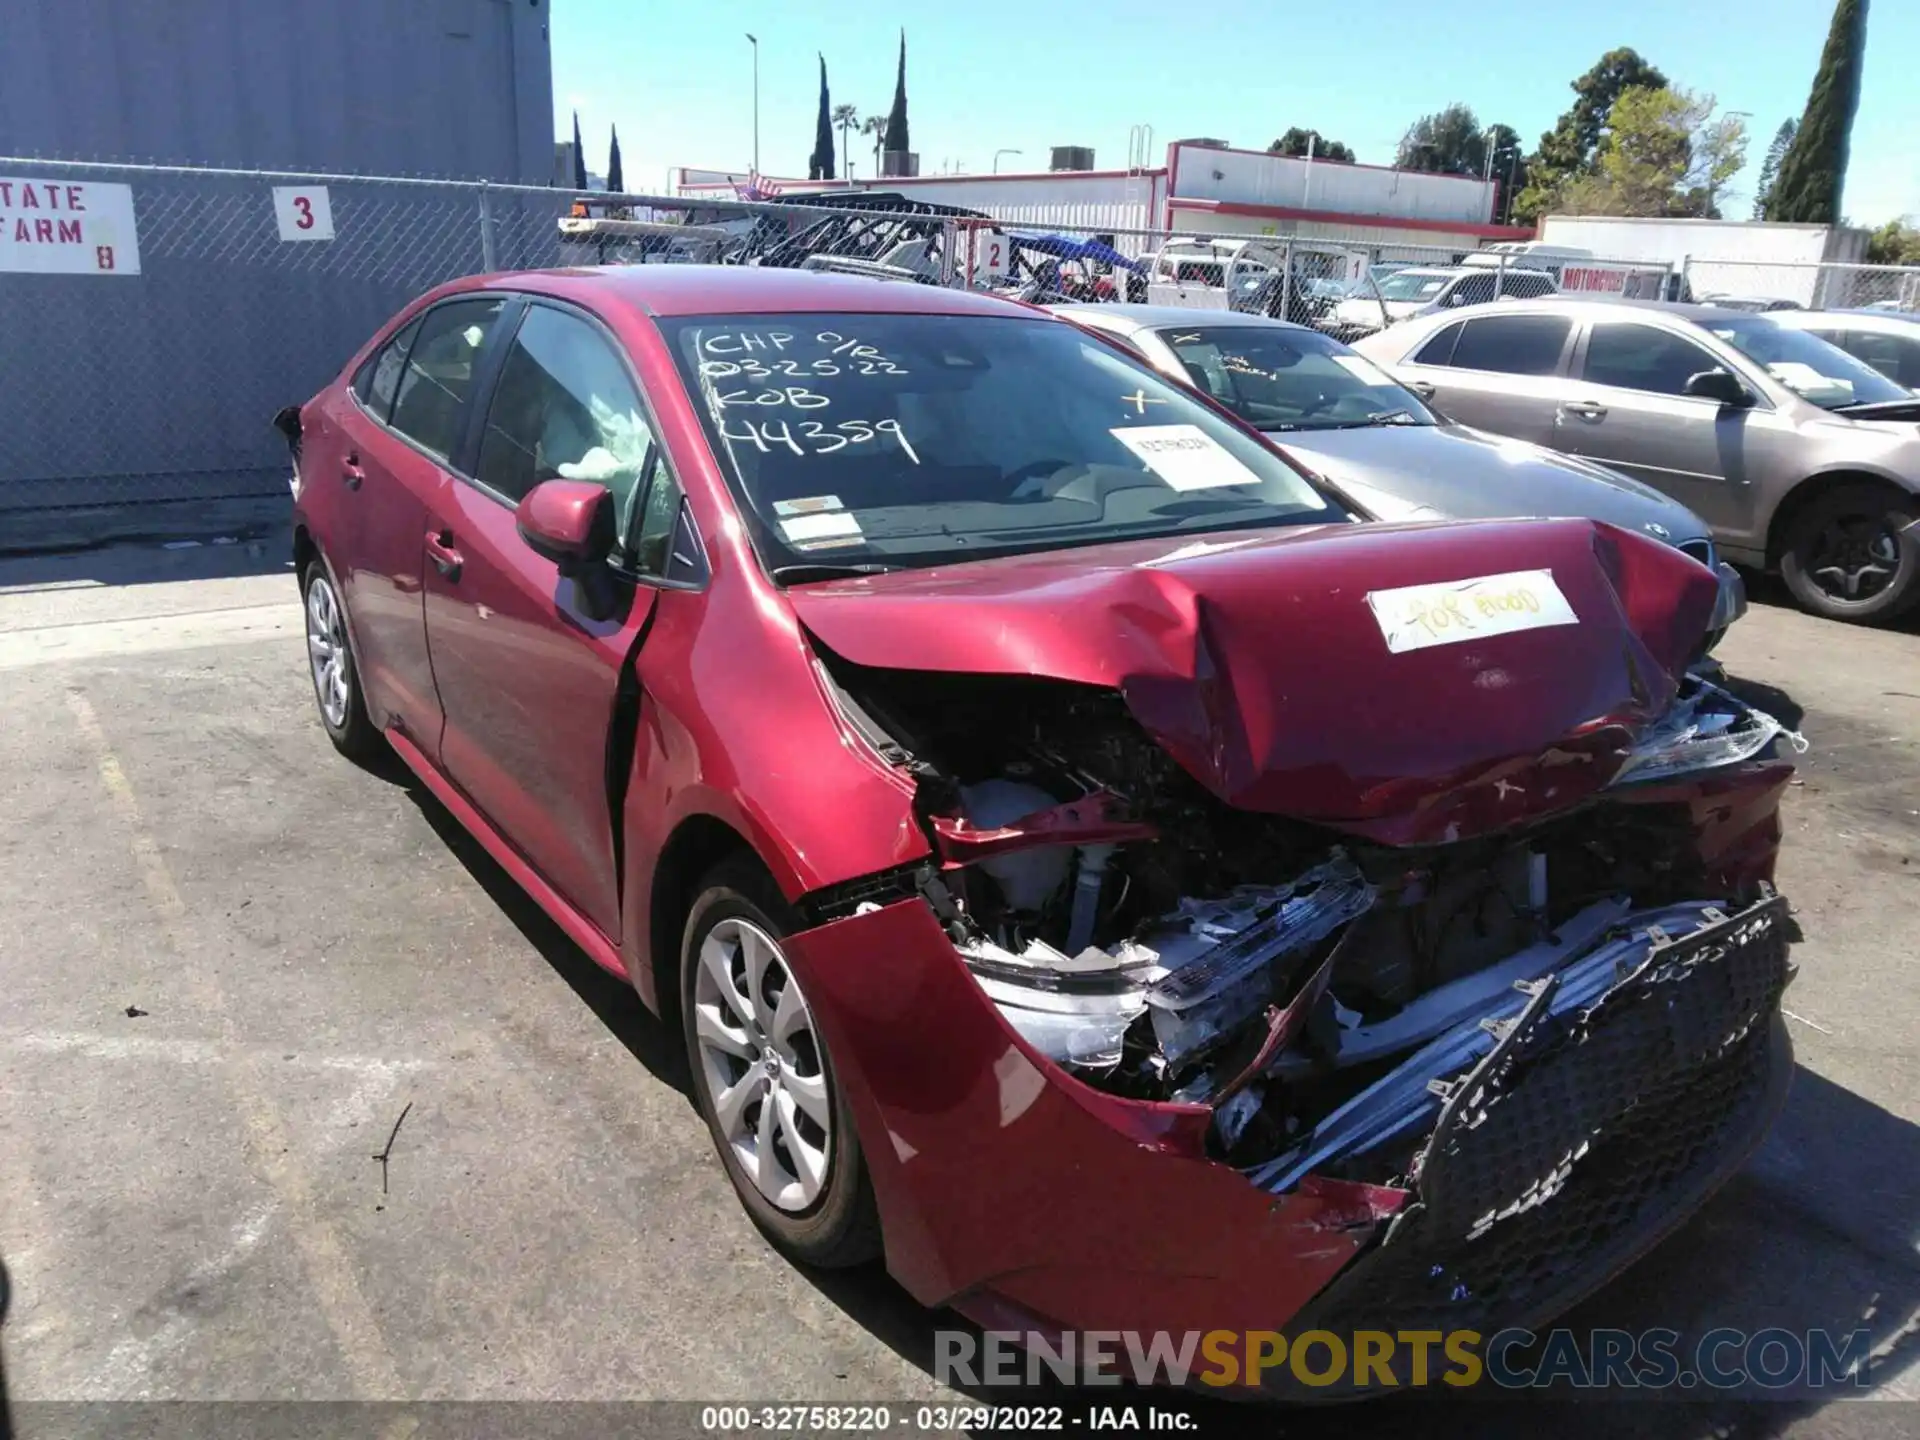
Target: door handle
1420,388
1585,409
351,472
446,559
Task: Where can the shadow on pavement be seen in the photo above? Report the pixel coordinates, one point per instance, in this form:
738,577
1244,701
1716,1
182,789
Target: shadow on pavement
612,1000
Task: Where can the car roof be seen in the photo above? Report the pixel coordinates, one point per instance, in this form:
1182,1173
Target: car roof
1893,320
1130,319
672,290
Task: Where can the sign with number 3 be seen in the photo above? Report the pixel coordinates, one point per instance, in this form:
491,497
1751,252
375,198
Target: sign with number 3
303,212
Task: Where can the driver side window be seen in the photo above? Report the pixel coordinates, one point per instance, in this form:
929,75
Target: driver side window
566,409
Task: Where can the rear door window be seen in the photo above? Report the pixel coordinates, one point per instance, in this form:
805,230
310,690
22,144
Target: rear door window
1512,344
431,402
379,377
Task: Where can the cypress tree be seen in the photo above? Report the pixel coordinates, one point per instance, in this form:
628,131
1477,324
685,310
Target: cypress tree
1806,190
897,117
820,166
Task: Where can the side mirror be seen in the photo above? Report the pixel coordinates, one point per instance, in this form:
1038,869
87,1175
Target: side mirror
1720,385
569,522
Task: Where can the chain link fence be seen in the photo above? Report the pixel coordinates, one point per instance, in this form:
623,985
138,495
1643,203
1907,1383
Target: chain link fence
145,374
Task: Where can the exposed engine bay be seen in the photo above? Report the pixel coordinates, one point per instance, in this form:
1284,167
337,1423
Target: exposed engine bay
1162,945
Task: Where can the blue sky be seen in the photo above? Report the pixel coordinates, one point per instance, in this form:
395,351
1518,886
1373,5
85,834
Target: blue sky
677,79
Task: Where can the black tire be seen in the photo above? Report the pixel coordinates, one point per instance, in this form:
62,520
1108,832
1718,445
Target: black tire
841,1227
1840,532
350,729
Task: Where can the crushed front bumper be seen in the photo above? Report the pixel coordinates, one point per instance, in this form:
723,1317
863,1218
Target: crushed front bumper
1565,1147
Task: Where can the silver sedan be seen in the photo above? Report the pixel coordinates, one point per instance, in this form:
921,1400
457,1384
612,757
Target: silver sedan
1799,456
1339,416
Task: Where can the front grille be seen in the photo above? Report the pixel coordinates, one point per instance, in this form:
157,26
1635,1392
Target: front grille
1701,550
1582,1142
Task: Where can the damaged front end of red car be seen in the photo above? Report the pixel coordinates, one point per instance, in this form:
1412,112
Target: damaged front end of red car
1272,971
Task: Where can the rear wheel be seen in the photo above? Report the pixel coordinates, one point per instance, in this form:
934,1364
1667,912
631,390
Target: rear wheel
1854,554
336,679
762,1077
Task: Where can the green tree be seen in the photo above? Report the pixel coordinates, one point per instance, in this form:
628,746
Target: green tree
1770,168
1895,243
1663,153
897,138
1300,142
846,118
1509,167
1806,191
820,163
1570,148
875,128
1447,142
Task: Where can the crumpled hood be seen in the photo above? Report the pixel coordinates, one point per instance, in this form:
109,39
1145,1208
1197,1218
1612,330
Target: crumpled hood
1467,474
1256,659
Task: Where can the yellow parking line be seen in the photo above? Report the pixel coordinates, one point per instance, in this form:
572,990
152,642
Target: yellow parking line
330,1272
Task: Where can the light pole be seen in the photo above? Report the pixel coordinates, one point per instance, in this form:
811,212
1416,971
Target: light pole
998,153
754,41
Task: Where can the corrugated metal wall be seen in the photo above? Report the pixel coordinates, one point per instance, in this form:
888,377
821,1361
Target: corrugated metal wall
123,390
454,88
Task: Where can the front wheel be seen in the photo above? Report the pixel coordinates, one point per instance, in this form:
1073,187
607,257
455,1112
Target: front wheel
762,1077
1854,554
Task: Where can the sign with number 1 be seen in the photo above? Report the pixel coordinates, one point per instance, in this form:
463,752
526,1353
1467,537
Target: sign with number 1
303,212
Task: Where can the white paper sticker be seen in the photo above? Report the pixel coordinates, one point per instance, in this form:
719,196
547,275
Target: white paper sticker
67,227
821,526
1185,456
807,505
303,212
1416,616
1367,372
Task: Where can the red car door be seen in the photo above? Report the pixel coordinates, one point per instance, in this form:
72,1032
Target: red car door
527,662
394,435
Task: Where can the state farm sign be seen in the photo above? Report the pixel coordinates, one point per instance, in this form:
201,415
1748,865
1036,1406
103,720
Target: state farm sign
67,227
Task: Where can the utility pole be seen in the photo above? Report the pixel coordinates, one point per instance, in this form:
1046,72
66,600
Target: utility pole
754,41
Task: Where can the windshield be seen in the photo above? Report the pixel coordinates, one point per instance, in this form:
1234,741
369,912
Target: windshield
1806,364
1286,378
876,441
1412,285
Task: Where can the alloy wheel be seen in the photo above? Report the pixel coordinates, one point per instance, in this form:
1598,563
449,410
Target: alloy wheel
760,1062
327,652
1854,557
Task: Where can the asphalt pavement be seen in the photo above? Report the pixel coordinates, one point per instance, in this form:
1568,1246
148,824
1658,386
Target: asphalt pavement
304,1100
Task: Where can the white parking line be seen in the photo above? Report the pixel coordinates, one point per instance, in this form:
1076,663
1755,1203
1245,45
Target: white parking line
52,644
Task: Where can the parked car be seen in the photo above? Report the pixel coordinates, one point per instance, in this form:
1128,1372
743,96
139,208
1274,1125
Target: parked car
1298,281
1428,290
1889,341
1800,457
1753,304
1082,865
1339,415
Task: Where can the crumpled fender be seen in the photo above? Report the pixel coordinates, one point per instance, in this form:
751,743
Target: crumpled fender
996,1170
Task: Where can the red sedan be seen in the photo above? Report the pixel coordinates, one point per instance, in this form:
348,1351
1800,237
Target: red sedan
1088,867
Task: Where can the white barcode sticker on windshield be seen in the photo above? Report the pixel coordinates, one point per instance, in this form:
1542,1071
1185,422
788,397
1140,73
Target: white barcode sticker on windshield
1185,456
819,527
1416,616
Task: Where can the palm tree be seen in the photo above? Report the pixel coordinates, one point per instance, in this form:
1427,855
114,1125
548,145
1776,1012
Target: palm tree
845,118
876,126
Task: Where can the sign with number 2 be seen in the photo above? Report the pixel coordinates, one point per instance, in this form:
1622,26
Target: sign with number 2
303,212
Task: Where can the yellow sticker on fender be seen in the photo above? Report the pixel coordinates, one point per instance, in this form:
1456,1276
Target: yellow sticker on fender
1416,616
